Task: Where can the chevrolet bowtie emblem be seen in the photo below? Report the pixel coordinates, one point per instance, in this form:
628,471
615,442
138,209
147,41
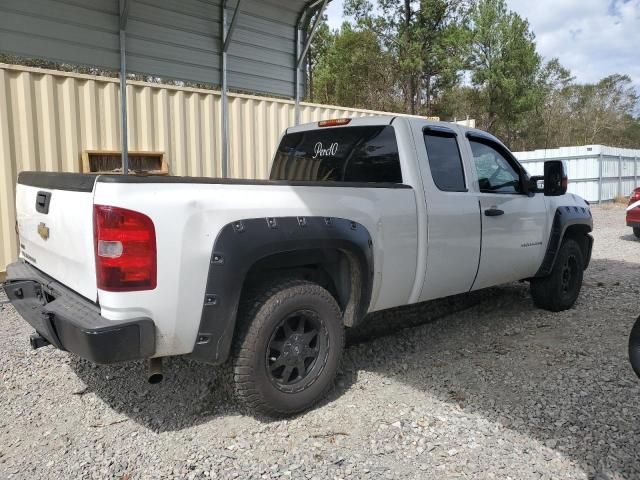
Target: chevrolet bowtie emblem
43,231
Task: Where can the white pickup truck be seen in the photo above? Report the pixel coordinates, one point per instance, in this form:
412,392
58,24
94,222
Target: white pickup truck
359,215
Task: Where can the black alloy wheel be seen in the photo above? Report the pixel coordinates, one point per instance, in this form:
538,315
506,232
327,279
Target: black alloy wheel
297,350
569,271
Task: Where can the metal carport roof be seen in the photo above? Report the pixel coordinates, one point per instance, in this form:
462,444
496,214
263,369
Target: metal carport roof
247,45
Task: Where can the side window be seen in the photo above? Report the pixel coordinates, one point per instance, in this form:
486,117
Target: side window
495,172
445,161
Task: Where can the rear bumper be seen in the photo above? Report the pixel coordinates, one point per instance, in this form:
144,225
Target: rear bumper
70,322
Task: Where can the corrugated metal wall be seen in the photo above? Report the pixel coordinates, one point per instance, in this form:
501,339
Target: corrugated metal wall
596,172
168,38
48,118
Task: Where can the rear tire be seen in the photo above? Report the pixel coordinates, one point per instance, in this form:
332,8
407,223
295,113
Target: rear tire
636,231
559,290
288,348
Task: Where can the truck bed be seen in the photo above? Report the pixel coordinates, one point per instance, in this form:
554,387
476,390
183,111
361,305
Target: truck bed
188,214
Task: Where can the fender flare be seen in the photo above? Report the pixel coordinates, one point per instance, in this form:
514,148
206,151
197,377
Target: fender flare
564,218
242,243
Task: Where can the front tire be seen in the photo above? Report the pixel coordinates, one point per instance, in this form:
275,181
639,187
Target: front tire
559,290
636,231
288,348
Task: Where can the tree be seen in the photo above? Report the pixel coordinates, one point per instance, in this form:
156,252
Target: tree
355,71
555,109
427,41
444,38
505,67
603,111
317,51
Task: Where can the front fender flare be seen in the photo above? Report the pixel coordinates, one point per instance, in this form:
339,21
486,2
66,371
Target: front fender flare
564,218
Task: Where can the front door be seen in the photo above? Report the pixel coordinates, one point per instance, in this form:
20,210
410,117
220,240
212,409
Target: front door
513,222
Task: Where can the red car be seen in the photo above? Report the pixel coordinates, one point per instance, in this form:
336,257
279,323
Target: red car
633,212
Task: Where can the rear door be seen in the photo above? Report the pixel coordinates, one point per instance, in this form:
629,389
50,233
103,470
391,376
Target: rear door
55,223
453,215
513,222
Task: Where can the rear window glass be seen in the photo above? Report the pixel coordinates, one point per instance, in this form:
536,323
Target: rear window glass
348,154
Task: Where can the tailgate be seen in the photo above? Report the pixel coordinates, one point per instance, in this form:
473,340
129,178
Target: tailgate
55,222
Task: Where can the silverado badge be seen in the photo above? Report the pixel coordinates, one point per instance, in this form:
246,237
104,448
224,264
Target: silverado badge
43,231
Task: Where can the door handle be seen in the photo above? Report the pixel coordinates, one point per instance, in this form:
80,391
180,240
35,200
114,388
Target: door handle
493,212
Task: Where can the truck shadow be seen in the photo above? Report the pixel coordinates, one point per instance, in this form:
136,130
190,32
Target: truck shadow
562,379
193,393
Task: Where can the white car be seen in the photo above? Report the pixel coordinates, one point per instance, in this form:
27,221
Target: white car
359,215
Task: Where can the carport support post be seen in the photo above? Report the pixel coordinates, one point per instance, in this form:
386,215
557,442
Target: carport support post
227,32
124,16
297,76
224,99
301,53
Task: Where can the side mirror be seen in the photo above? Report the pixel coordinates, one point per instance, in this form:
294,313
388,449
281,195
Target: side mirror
555,178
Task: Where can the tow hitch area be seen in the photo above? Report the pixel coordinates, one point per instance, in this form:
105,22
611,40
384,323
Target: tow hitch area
36,341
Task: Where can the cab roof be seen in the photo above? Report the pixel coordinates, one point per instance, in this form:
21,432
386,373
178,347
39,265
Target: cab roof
389,119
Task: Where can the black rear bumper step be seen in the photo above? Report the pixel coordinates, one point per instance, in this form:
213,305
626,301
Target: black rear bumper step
73,323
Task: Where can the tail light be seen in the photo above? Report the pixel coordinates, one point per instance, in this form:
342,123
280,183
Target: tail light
125,249
635,196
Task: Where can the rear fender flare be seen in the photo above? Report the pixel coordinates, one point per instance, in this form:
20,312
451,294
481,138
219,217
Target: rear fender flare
242,243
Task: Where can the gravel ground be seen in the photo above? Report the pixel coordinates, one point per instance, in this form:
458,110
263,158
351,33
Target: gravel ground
497,390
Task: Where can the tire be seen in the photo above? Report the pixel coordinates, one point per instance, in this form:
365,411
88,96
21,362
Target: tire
285,328
636,231
559,290
634,347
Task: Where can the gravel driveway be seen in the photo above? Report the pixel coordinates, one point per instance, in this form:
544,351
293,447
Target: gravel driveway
497,390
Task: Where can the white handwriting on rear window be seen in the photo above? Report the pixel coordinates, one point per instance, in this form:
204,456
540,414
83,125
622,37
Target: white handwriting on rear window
320,151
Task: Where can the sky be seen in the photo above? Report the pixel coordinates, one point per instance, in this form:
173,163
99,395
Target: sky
593,38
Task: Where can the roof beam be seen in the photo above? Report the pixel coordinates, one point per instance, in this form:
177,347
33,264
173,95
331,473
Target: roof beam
124,13
232,26
312,33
